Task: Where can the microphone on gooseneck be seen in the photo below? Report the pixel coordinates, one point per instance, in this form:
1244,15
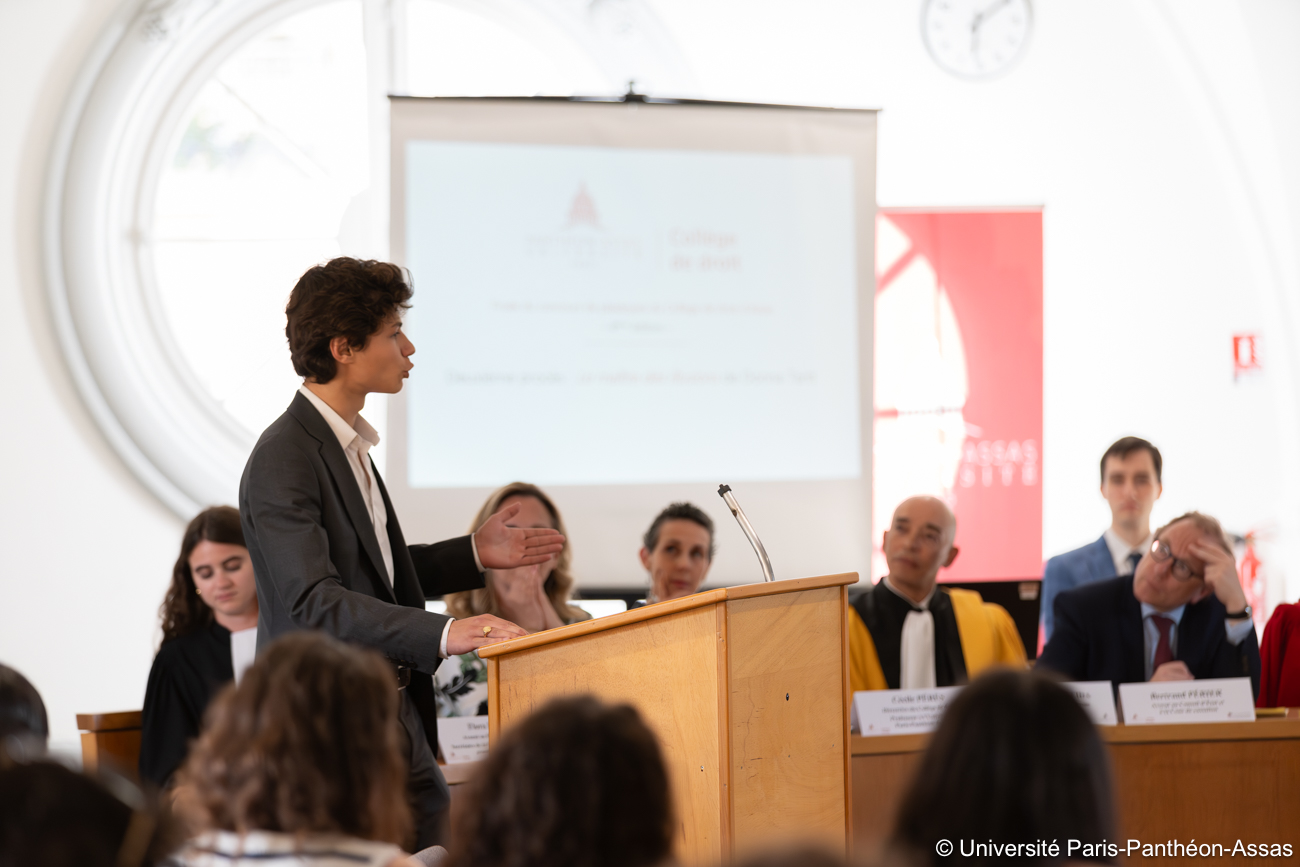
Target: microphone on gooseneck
724,491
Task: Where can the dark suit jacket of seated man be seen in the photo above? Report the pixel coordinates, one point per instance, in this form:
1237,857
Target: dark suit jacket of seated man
1106,630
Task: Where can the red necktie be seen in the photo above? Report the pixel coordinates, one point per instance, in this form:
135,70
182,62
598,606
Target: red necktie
1164,653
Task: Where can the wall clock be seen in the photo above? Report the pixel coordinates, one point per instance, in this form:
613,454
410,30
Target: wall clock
976,38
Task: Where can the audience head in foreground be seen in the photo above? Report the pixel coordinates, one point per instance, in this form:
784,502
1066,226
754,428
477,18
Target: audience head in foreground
906,632
209,627
677,551
1182,615
24,725
55,817
1130,482
1015,759
579,783
304,755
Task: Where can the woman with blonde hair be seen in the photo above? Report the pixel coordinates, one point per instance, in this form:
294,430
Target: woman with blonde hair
301,764
533,597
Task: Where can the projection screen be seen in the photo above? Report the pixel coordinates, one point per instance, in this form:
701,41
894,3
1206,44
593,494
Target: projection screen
629,303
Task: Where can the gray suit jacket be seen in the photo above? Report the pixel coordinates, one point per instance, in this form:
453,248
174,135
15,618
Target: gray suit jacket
1085,565
317,561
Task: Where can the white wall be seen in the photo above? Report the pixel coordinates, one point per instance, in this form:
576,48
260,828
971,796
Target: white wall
1153,132
87,550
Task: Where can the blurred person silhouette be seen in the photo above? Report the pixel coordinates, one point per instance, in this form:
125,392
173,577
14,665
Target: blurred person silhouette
1130,482
1279,684
534,597
1014,759
677,551
578,783
209,627
794,856
24,725
907,632
51,816
301,764
1181,616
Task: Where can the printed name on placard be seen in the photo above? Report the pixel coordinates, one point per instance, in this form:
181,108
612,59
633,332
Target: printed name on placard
1220,700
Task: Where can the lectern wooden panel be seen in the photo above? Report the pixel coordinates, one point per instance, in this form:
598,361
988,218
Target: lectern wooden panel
745,688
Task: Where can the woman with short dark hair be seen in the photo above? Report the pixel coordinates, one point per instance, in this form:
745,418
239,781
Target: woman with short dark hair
301,764
1015,759
209,626
579,783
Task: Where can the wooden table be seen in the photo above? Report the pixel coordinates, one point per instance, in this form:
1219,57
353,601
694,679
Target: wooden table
1214,782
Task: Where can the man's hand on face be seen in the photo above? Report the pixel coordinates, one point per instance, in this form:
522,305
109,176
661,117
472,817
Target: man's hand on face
467,635
502,547
1220,574
1176,670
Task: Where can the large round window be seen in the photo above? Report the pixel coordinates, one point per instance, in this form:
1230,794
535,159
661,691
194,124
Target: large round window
219,150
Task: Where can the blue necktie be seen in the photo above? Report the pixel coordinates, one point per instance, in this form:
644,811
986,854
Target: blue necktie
1133,559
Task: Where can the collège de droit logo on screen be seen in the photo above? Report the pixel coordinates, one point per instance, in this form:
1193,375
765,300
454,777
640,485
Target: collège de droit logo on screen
584,239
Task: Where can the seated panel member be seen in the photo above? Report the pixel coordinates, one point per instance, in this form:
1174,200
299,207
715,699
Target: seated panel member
1280,661
677,552
209,626
534,597
1130,482
1182,615
906,632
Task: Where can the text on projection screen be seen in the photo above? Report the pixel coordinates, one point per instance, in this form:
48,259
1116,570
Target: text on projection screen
591,316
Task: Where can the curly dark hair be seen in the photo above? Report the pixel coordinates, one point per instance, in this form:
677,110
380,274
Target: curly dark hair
1015,759
579,783
309,741
183,611
347,298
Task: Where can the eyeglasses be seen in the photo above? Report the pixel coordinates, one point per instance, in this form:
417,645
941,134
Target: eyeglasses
1160,552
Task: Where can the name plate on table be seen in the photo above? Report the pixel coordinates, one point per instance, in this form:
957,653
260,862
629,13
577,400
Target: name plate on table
1187,701
463,738
900,711
1097,697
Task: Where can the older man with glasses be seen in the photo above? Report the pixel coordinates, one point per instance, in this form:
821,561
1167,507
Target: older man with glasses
1181,615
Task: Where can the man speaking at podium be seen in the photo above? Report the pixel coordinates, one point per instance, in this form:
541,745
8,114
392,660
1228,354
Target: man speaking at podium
906,632
327,550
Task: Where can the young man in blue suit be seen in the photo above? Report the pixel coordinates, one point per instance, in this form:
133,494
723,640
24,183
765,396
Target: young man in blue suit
1130,482
1181,616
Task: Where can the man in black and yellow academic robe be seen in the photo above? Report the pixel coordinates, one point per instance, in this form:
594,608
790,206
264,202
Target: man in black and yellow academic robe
907,632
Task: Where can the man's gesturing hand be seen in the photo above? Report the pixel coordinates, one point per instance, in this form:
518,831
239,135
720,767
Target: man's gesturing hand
504,547
467,635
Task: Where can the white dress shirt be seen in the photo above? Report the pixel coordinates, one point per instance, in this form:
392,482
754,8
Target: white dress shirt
243,647
357,441
916,653
1120,550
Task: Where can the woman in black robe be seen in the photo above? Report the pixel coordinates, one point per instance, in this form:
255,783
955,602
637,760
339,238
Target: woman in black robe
209,625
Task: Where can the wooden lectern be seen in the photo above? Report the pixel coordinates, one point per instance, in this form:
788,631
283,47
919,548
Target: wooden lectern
747,689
